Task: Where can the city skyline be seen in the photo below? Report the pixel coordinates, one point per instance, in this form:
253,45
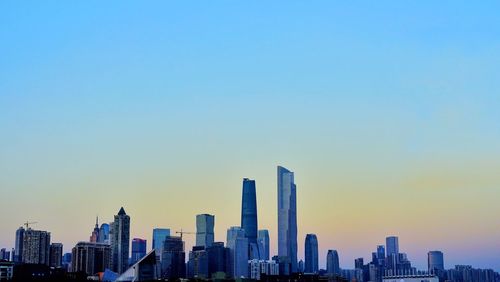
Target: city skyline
387,113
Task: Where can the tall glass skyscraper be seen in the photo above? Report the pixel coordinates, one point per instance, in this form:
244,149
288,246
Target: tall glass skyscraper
392,245
238,252
159,235
120,242
249,210
18,251
287,219
435,261
104,234
138,249
205,230
332,262
263,242
311,254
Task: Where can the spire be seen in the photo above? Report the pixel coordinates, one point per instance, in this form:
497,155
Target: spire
121,212
96,221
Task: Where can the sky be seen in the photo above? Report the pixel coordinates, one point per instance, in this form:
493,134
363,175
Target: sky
387,112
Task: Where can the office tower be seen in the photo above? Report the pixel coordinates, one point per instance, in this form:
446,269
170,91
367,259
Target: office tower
4,255
95,233
311,254
238,246
159,235
104,234
138,249
358,263
300,266
435,261
332,263
56,253
66,261
173,258
249,210
392,245
260,267
198,263
90,257
218,258
381,255
18,252
205,230
120,242
287,220
36,247
263,242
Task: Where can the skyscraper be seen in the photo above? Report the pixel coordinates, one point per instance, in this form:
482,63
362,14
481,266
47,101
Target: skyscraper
120,241
263,242
90,257
94,237
18,251
249,210
238,254
287,219
159,235
138,249
173,258
56,253
332,262
205,230
36,247
392,245
311,254
435,261
104,234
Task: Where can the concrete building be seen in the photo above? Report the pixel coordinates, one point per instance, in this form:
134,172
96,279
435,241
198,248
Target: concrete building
90,257
36,247
56,253
287,220
120,242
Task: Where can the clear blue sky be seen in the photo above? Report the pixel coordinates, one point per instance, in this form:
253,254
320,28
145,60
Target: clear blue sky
374,105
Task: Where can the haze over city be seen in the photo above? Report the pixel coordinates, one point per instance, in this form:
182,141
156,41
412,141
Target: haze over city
388,119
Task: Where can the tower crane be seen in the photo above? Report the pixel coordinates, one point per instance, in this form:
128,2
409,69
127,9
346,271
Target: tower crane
27,224
184,232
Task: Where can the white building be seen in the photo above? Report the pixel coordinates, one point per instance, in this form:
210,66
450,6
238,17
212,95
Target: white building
258,267
411,278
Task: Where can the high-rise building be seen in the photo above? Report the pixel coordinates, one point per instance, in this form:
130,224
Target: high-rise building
381,255
90,257
311,254
159,235
94,237
218,258
173,258
120,242
56,253
18,249
104,234
36,247
4,254
198,263
392,245
435,261
66,261
249,210
238,246
138,249
263,242
332,262
287,220
359,263
205,230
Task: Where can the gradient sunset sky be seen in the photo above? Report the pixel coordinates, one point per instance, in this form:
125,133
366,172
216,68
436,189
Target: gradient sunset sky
388,112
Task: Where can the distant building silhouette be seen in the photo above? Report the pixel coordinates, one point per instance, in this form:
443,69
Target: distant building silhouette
104,234
249,221
138,249
238,245
18,248
56,253
311,254
173,258
90,257
120,241
287,221
435,262
263,242
332,262
94,237
205,224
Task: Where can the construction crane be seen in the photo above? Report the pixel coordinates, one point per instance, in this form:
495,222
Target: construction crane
27,224
184,232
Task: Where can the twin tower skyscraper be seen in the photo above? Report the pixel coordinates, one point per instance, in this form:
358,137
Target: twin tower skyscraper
287,221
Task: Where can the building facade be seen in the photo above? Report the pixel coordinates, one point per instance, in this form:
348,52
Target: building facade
56,253
332,263
120,242
36,247
18,248
159,235
205,224
173,265
435,261
311,264
287,220
249,216
138,249
90,257
238,246
263,242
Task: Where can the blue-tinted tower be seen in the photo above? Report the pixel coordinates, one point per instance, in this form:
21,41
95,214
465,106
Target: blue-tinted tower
249,210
